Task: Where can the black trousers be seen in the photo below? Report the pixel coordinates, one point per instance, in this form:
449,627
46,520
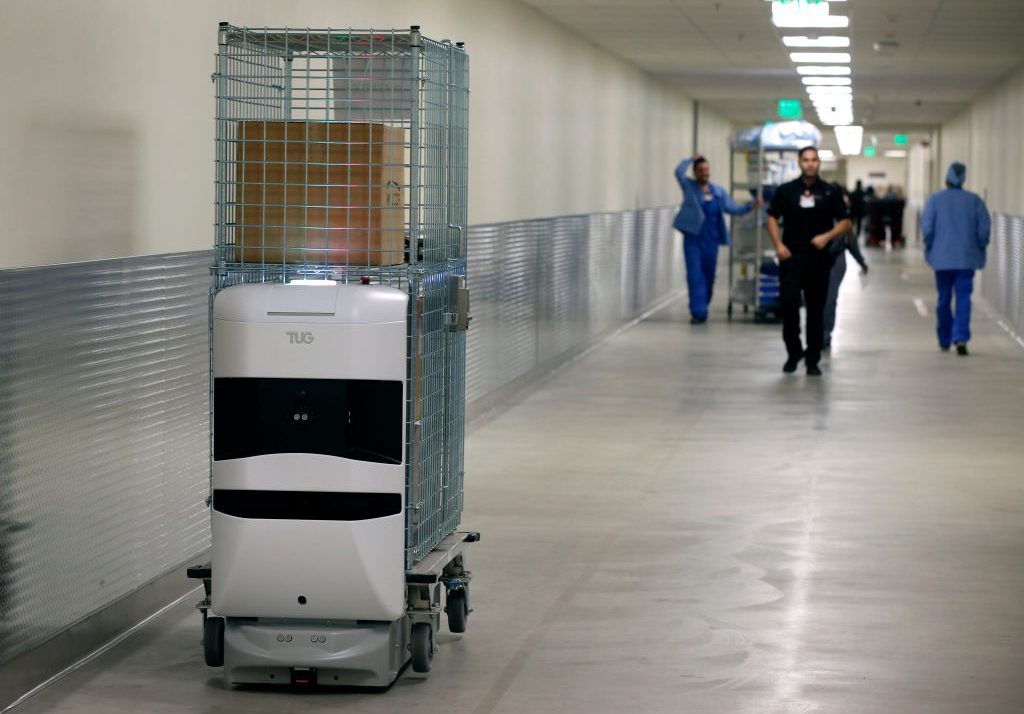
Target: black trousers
804,274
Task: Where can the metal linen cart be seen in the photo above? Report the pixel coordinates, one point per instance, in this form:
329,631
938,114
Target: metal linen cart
338,314
768,155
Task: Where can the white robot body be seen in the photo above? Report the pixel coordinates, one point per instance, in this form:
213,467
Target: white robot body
309,452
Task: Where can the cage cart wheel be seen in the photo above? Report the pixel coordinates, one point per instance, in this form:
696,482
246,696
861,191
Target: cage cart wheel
422,647
213,641
457,609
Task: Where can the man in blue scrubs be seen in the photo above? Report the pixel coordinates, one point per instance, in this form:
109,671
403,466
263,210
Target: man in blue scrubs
956,228
701,220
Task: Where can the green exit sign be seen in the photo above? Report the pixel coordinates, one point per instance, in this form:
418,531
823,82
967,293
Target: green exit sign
790,109
870,151
900,139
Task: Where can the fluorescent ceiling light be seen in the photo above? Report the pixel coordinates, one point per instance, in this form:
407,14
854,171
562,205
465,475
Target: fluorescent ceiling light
830,81
850,139
828,90
799,14
816,42
839,116
826,154
824,22
830,97
896,154
846,104
820,69
842,57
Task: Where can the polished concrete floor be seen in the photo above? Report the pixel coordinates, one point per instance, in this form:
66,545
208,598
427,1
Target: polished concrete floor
672,525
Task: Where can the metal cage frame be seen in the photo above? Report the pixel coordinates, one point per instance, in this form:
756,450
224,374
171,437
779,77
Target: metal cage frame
342,155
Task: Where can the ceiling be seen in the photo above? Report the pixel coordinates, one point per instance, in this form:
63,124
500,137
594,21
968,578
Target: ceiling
728,55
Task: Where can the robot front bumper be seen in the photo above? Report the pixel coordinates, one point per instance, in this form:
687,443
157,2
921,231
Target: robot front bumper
309,653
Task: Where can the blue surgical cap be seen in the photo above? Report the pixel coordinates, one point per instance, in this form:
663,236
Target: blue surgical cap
956,174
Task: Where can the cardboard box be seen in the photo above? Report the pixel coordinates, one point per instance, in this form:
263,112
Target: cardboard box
320,193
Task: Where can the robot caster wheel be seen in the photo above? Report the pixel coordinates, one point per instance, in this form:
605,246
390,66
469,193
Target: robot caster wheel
422,647
457,609
213,641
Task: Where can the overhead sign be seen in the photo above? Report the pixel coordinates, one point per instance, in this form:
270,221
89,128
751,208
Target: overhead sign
899,139
870,151
790,109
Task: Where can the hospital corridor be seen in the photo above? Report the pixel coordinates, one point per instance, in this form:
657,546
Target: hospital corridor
500,356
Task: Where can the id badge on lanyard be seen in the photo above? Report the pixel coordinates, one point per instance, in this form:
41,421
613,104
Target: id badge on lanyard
807,200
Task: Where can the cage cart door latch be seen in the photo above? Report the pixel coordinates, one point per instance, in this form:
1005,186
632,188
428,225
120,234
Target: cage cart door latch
458,302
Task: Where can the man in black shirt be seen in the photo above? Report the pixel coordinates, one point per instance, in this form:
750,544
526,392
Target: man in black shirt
813,214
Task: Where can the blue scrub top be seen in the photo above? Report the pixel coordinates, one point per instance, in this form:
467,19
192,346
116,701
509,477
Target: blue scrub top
711,228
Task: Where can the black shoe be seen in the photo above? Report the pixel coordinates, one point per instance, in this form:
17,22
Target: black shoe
698,320
813,370
791,364
944,348
961,349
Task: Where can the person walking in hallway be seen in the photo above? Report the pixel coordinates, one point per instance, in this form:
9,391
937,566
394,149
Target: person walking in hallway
838,248
857,208
813,214
701,220
838,271
956,227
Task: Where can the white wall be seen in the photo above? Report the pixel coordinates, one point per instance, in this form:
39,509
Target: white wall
988,138
919,186
107,129
860,167
713,143
955,145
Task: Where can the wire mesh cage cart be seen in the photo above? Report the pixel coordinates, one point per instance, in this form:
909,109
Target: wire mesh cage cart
337,315
768,155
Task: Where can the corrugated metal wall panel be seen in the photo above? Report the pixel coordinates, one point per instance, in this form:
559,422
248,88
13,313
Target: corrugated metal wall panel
542,290
482,338
105,434
1017,239
564,312
104,413
1015,271
629,253
647,258
518,287
1002,282
603,286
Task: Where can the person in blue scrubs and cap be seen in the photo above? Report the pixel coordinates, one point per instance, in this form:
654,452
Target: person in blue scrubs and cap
701,220
956,228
